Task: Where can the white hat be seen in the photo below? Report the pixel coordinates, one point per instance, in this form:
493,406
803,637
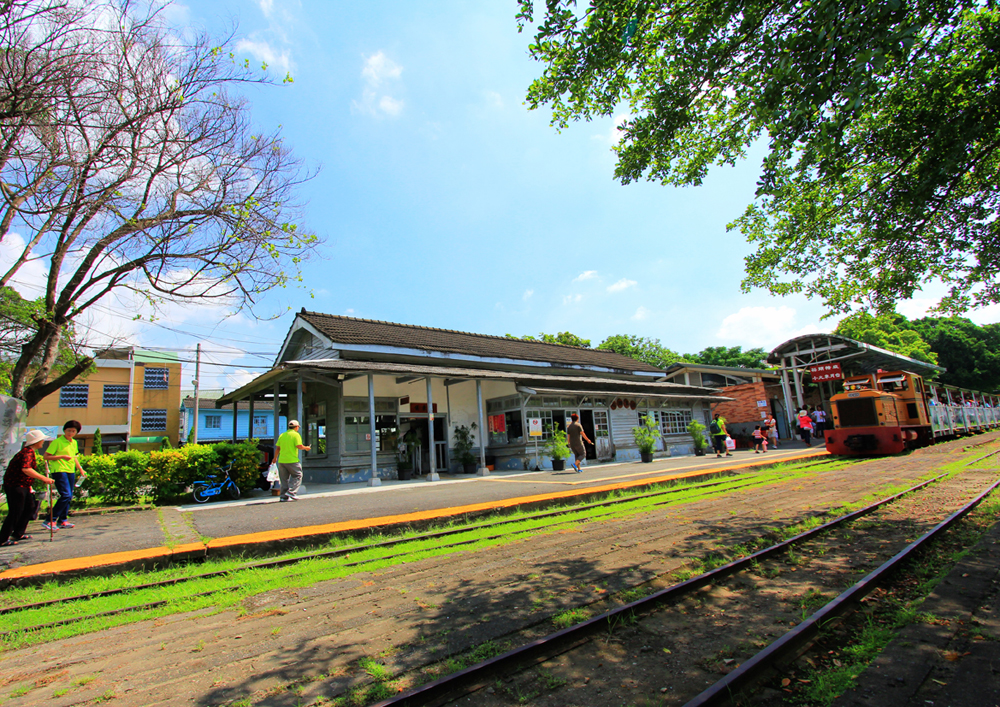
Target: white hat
293,423
34,436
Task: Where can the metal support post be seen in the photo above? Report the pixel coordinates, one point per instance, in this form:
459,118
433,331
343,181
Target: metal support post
197,375
300,409
277,409
374,481
432,474
482,471
250,434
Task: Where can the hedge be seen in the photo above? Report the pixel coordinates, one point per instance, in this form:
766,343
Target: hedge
123,477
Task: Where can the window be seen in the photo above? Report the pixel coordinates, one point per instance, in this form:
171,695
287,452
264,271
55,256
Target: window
156,378
674,422
154,419
115,396
386,432
357,433
260,425
212,422
73,396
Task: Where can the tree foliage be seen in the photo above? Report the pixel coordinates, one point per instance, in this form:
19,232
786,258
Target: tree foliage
887,331
733,356
969,352
129,162
882,122
564,337
641,348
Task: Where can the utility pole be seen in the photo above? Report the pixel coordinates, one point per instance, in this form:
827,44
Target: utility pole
197,377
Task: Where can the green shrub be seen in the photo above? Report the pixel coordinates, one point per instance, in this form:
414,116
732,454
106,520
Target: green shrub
114,479
168,473
646,434
201,462
557,446
245,458
697,432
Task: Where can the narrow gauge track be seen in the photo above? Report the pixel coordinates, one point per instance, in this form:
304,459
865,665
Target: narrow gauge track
475,677
732,483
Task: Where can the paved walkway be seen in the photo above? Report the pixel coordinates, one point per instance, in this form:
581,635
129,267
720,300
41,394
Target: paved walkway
323,510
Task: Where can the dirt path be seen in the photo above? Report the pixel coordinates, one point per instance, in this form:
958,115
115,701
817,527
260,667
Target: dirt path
414,615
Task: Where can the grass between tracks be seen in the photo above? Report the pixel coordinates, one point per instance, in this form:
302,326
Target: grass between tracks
240,583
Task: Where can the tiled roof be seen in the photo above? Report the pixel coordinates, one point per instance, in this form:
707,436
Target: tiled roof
368,332
209,404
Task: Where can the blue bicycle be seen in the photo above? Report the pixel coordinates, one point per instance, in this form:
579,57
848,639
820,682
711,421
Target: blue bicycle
206,489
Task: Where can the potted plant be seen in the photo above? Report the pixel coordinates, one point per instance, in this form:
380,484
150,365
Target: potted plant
645,436
557,447
405,453
463,447
697,432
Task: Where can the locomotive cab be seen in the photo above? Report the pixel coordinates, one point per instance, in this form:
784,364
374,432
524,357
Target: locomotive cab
878,414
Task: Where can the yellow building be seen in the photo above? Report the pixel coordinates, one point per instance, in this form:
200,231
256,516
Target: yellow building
133,396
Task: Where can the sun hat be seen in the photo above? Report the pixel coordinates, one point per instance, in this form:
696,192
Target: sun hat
34,436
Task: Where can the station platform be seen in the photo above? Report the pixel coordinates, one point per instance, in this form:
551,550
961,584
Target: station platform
259,523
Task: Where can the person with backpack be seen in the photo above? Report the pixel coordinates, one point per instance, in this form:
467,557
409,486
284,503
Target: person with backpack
718,431
20,474
805,427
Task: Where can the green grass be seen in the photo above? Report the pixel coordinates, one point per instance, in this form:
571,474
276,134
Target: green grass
570,617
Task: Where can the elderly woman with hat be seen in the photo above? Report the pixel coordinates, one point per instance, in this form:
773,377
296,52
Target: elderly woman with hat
17,485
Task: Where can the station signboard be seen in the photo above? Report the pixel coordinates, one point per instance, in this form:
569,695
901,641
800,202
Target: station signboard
826,372
534,427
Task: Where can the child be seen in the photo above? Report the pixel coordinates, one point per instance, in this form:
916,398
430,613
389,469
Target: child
759,440
17,485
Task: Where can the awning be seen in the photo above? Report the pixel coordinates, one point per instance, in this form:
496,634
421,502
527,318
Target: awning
146,440
624,394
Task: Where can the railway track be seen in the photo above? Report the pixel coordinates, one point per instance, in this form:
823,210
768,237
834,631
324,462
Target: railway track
566,642
361,634
18,615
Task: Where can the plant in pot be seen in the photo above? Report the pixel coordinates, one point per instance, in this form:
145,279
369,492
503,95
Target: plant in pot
697,432
405,454
645,436
463,447
557,447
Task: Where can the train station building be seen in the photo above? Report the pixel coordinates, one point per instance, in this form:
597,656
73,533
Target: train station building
383,400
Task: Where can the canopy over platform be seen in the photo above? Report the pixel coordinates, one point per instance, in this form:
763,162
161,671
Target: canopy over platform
804,354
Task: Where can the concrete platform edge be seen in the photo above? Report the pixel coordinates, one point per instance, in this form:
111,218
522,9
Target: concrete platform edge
269,542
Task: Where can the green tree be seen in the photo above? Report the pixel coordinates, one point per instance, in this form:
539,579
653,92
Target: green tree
641,348
887,331
733,356
97,443
882,123
971,353
564,337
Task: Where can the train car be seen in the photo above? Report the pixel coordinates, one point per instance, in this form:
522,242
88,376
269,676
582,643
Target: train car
891,411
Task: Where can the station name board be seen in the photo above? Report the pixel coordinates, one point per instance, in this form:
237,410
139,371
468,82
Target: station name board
826,372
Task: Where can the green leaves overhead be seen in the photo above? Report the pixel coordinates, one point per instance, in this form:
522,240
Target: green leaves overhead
882,122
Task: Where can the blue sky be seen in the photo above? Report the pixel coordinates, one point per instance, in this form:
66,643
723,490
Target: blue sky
444,202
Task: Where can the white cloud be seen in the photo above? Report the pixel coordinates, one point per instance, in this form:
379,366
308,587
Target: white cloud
613,136
572,299
641,313
622,284
266,7
378,72
766,326
379,68
262,51
30,278
527,295
585,275
493,98
349,311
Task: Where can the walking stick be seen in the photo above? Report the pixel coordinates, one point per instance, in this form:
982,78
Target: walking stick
48,497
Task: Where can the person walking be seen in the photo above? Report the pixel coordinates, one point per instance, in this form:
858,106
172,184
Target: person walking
759,440
289,466
576,437
63,456
805,427
718,431
771,428
17,482
819,422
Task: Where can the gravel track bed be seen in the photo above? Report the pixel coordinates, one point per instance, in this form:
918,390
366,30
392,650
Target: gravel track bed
412,616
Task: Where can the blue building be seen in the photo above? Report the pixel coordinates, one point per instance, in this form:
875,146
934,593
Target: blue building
216,425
